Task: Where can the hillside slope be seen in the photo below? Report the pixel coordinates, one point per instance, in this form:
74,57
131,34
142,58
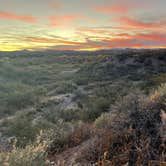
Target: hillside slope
92,109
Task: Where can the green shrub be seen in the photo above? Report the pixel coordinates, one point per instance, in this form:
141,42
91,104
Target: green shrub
94,108
16,96
22,128
103,121
65,87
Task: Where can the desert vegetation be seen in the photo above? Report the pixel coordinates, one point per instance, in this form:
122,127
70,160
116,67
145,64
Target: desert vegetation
83,108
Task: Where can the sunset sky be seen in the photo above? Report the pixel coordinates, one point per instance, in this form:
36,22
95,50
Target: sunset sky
82,24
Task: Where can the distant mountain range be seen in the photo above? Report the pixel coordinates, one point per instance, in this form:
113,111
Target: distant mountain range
72,52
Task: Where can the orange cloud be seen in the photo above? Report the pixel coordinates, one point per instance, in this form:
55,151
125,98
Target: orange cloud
89,42
149,36
155,37
127,45
140,40
51,41
12,16
127,42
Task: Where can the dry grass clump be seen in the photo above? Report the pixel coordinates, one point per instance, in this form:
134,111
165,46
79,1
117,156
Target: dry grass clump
32,155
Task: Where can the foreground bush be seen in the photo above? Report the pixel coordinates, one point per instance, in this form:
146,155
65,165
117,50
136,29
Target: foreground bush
132,133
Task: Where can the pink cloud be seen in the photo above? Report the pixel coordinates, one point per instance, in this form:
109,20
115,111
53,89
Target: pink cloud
65,20
134,23
12,16
120,7
117,8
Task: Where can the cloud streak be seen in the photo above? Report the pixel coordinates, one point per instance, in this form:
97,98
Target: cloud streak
135,23
16,17
117,8
65,20
120,40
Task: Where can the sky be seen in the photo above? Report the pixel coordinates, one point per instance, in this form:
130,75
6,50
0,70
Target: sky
82,24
